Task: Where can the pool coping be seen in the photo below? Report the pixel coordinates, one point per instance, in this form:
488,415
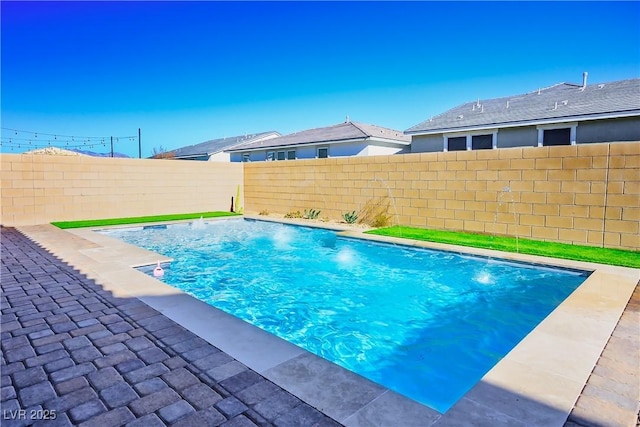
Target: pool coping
515,392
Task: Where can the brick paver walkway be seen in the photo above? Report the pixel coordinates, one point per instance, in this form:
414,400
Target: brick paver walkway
611,397
73,351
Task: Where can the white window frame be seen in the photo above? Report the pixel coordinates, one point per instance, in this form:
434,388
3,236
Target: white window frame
271,156
448,137
572,136
469,136
494,140
318,152
294,154
246,157
284,155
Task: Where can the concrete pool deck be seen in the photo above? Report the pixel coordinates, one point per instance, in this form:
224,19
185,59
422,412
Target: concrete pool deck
537,383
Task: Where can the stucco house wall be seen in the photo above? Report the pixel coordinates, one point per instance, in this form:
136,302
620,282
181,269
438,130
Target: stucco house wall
426,143
347,149
508,137
308,152
220,157
255,156
590,131
526,136
627,129
378,150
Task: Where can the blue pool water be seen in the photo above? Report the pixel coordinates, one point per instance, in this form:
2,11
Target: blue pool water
427,324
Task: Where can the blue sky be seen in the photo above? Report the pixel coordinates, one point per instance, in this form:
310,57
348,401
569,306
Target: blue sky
186,72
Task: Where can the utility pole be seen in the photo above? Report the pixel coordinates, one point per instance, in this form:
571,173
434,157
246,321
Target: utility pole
139,145
111,146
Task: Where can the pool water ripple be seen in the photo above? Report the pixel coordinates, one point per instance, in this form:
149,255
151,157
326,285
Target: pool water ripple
428,324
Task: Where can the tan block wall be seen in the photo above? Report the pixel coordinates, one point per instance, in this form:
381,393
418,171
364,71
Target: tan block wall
37,189
584,194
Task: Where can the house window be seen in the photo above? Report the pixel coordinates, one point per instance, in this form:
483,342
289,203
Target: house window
246,157
323,152
281,155
557,134
291,155
471,141
556,137
457,144
482,142
271,156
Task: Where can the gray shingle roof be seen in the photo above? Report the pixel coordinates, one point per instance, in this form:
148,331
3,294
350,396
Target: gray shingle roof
214,146
330,134
560,102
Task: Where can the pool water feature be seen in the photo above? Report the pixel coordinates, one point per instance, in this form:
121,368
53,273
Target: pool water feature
425,323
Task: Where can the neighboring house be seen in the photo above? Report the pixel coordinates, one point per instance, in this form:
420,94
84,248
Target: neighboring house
344,139
214,150
563,114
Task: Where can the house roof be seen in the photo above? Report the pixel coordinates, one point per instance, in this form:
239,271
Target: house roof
341,132
558,103
214,146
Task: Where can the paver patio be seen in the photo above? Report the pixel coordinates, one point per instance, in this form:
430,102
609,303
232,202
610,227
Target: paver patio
73,351
72,347
611,397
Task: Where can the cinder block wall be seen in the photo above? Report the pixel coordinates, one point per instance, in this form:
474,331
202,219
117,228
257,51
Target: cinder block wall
584,194
37,189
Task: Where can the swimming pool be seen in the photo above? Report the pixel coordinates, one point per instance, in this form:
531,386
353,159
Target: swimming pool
427,324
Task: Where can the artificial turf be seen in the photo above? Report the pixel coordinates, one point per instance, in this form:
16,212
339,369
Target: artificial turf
609,256
139,219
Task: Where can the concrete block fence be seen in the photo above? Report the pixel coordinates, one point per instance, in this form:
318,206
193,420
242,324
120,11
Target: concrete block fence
38,189
582,194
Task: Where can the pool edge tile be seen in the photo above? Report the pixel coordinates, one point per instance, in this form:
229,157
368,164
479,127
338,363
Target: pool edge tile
326,386
250,345
509,390
467,412
391,408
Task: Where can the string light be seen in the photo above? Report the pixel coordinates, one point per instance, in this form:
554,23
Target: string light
35,140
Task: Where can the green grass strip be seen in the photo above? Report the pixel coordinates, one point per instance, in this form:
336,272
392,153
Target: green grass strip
618,257
139,219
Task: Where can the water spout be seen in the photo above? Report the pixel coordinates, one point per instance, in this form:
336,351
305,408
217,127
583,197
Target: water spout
282,238
198,224
158,271
373,213
484,277
505,199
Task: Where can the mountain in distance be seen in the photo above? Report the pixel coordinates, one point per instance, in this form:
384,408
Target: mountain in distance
73,152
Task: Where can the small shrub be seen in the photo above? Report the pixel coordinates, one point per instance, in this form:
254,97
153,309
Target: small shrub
311,214
381,219
376,213
161,153
293,214
350,217
263,212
